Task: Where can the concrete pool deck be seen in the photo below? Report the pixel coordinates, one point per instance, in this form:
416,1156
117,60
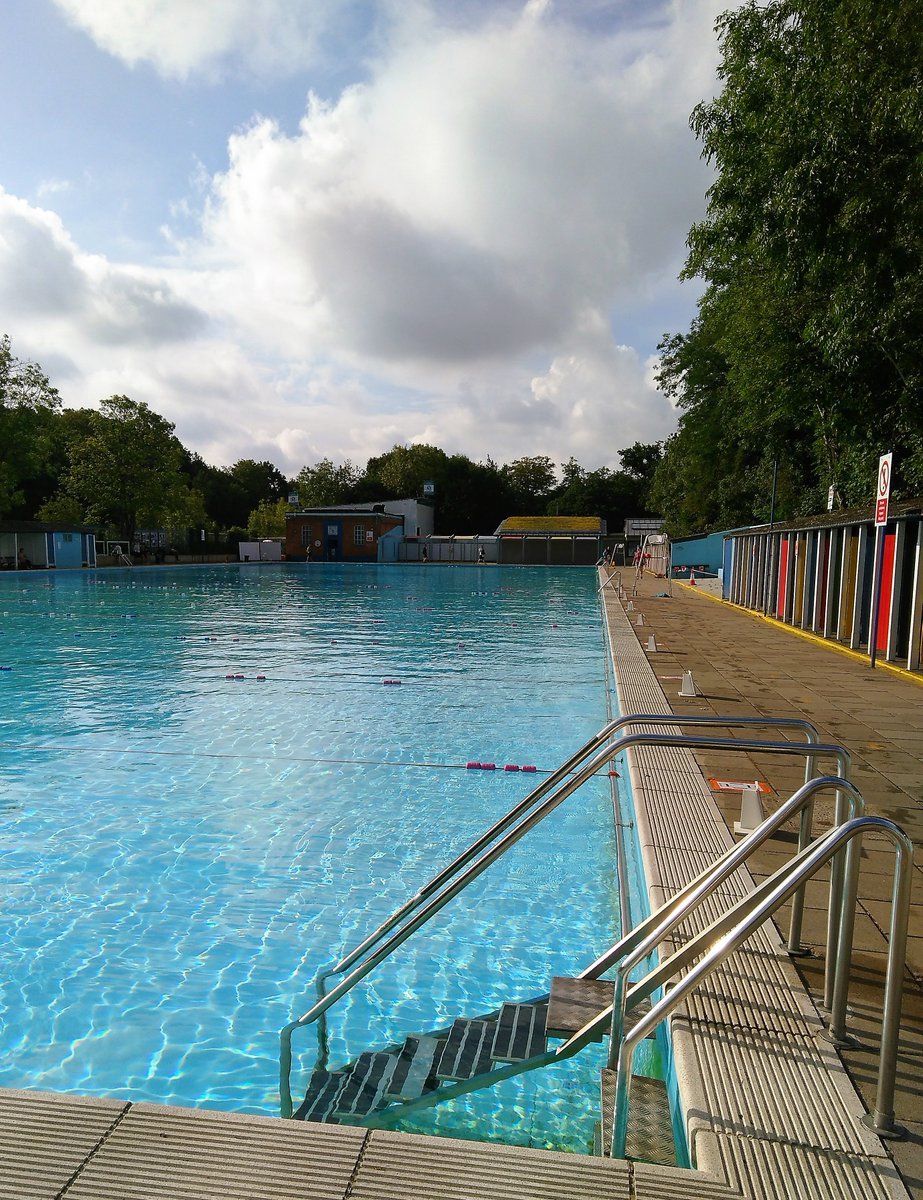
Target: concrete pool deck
745,666
749,1132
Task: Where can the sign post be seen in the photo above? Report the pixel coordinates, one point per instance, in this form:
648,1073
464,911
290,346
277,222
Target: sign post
882,496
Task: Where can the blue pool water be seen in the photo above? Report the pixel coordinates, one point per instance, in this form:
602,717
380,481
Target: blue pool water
181,852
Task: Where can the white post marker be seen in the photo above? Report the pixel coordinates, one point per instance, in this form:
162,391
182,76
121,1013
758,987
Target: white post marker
751,809
882,498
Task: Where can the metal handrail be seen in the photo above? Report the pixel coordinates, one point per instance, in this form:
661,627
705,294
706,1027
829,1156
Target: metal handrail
726,934
609,574
544,788
652,931
479,865
626,954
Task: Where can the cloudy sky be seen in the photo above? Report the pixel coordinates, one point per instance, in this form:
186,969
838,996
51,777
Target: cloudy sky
309,228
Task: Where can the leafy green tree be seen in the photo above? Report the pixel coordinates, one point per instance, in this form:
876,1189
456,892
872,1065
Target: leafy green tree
403,471
639,462
471,497
530,482
127,472
325,484
252,482
806,349
268,519
28,407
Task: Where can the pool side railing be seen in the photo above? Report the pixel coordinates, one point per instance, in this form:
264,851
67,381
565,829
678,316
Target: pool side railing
470,867
725,935
714,945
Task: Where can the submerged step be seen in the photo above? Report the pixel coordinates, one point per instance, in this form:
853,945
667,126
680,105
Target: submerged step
321,1097
467,1050
414,1067
366,1083
520,1032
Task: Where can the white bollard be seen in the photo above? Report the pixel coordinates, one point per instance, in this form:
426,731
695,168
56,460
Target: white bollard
629,607
640,620
751,809
688,687
652,645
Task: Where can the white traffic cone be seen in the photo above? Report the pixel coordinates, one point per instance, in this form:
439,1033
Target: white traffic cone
751,809
688,687
651,645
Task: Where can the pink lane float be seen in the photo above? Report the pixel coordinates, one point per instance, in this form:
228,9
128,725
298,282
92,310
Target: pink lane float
489,766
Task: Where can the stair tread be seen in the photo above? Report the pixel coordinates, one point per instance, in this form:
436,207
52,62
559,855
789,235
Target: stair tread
574,1002
520,1032
413,1068
320,1099
366,1083
650,1135
467,1050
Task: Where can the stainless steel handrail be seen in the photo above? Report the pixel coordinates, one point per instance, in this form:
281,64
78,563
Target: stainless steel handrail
689,898
726,934
576,780
544,788
548,805
651,932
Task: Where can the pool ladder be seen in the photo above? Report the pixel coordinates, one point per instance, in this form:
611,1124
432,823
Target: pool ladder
380,1087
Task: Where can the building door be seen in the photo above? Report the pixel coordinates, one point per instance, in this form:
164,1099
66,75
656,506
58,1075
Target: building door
332,541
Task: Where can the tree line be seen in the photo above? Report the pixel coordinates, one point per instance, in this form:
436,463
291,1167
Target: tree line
805,360
121,468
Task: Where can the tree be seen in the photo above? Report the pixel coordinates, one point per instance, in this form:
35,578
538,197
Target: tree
252,482
806,348
325,484
28,405
268,519
127,472
403,471
530,482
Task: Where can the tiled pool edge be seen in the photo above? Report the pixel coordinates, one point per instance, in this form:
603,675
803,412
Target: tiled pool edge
740,1071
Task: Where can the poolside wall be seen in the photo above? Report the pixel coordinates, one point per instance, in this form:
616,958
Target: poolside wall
818,576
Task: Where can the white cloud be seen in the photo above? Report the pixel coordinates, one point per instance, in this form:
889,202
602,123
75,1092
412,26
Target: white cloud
472,198
179,38
431,257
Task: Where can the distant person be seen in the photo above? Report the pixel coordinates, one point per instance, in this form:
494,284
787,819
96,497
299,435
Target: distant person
424,557
21,561
638,563
481,554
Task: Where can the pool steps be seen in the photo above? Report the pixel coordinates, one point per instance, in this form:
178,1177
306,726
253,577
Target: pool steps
379,1085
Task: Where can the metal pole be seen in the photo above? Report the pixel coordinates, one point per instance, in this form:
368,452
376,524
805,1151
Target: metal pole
881,1119
876,593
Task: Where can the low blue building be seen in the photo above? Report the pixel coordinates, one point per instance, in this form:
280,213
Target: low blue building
28,544
700,554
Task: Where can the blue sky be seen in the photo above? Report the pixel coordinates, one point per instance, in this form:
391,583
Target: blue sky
309,228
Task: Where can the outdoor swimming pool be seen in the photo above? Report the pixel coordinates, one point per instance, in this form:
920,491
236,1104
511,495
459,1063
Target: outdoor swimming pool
182,851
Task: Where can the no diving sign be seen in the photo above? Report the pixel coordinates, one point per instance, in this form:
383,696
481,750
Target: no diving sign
883,493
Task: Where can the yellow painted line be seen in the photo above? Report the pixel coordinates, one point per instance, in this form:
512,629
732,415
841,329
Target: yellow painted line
901,672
